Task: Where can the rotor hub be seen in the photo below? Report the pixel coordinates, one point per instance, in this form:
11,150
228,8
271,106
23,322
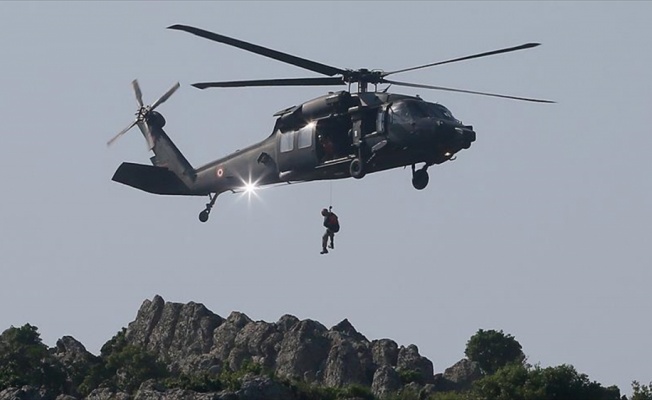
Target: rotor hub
363,75
142,113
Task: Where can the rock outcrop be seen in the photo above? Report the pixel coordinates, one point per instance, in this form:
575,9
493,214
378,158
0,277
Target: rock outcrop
462,374
236,358
191,339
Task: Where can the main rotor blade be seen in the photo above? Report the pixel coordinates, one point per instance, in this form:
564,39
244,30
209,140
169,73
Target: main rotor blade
166,96
488,53
139,94
122,132
273,82
466,91
263,51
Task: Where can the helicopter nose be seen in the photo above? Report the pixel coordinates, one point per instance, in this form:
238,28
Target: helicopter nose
466,134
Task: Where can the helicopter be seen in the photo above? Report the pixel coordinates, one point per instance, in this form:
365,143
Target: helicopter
338,135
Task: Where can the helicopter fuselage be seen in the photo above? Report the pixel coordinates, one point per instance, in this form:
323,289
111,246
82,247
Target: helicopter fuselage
322,138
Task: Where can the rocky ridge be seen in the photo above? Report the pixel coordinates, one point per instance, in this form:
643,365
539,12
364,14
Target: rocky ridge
190,339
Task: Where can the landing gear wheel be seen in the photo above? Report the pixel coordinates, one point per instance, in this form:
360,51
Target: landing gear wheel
356,169
420,179
203,216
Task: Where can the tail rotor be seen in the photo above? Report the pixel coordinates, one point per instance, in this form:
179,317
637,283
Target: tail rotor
143,113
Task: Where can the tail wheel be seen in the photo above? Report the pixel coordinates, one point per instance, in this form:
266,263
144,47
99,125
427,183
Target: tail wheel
356,169
203,216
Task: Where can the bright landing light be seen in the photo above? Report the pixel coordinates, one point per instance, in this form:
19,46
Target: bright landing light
248,189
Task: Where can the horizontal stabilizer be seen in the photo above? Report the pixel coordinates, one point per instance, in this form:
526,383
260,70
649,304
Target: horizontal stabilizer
157,180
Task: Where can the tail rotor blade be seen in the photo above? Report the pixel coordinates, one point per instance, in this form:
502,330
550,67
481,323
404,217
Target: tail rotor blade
122,132
166,96
139,94
143,114
144,128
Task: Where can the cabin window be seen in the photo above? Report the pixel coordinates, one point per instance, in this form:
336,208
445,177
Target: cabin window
287,141
305,136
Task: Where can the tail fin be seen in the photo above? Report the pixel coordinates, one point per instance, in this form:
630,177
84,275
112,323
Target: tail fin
166,153
171,173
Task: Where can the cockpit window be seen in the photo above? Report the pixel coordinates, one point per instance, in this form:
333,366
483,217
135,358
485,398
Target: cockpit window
411,109
400,112
439,111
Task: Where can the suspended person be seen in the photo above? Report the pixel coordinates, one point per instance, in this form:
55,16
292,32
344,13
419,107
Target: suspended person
332,225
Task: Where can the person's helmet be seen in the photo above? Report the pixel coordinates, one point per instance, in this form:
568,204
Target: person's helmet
324,212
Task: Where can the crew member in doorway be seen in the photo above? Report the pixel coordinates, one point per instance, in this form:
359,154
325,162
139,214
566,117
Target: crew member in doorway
332,225
328,148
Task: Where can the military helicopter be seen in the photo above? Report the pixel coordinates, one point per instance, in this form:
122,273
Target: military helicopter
338,135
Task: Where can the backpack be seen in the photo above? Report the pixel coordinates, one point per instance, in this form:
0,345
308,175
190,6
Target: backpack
333,222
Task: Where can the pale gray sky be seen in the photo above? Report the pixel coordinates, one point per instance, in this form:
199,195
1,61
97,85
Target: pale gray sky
541,229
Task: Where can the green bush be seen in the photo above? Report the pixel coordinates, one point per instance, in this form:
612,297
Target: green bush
357,391
123,367
516,381
409,376
493,349
25,360
641,392
201,383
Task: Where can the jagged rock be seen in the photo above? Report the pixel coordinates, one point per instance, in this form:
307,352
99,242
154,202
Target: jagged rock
69,351
224,336
258,342
176,394
107,394
177,333
413,387
439,384
191,339
409,359
384,352
24,393
386,382
304,348
463,373
428,390
263,388
286,322
347,330
349,360
76,361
